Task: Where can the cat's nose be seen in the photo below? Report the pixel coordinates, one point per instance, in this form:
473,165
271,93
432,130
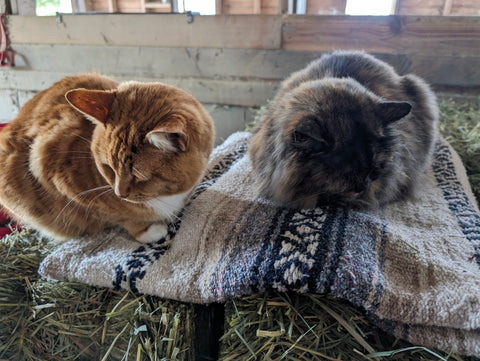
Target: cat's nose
122,189
122,195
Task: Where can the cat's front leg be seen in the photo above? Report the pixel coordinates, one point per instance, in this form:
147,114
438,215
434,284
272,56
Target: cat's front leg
147,233
154,233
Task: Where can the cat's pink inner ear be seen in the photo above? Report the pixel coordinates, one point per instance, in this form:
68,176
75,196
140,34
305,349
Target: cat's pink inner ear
169,137
93,103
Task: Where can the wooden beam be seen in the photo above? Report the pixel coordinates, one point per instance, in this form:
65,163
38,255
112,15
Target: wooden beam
257,6
209,321
11,7
206,63
384,34
282,6
4,6
218,7
394,7
157,61
447,9
170,30
26,7
112,6
251,93
79,6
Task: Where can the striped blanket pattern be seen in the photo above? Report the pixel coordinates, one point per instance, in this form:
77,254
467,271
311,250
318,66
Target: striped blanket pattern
413,267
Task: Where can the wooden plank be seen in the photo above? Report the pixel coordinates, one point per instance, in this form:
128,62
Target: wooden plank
218,7
282,6
170,30
225,63
237,7
466,7
270,7
252,93
447,8
388,34
326,7
209,321
5,6
394,7
455,70
163,62
11,7
439,7
420,7
112,6
79,6
26,7
257,6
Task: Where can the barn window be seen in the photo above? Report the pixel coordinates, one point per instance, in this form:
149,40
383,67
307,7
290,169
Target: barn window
51,7
369,7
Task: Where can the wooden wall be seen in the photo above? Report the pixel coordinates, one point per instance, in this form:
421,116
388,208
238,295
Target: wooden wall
438,7
336,7
121,6
233,64
249,7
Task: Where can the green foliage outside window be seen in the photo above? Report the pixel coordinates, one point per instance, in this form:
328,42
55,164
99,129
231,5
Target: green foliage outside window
51,7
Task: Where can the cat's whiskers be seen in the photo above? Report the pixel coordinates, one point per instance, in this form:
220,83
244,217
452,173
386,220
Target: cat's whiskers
89,206
79,195
85,139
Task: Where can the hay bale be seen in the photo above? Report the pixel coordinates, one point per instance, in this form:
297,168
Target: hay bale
282,326
460,125
49,320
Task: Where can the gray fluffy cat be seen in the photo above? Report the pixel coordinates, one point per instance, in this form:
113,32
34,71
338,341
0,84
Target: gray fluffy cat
346,130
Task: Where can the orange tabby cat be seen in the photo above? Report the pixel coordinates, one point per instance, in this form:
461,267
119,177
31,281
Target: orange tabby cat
89,153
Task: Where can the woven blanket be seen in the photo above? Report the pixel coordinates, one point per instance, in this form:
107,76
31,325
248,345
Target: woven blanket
414,267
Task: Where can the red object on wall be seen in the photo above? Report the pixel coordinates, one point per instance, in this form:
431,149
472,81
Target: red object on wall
7,56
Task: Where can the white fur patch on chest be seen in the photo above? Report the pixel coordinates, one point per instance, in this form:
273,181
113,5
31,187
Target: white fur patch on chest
167,206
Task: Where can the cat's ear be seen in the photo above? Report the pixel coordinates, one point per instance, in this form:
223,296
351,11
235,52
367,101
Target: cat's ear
169,137
95,104
392,111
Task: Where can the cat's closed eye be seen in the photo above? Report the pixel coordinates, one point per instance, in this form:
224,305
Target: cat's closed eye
108,171
140,177
309,143
298,137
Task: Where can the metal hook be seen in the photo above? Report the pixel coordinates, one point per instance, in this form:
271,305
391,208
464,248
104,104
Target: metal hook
58,18
189,17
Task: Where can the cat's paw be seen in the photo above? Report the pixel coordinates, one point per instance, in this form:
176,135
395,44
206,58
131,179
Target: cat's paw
154,233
